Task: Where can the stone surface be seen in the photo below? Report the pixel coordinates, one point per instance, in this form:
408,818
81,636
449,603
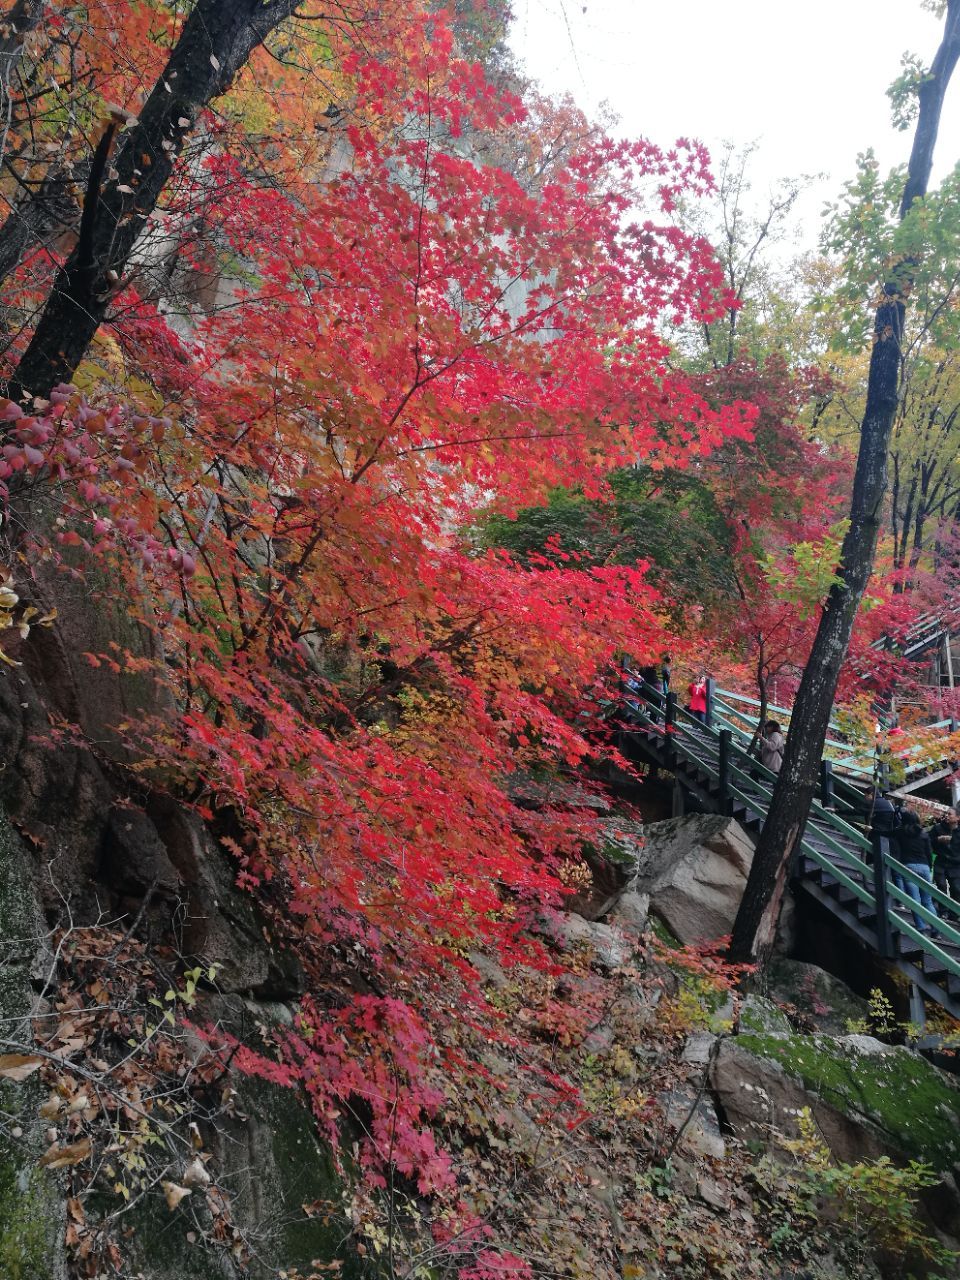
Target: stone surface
864,1044
611,862
489,971
607,944
134,857
695,870
702,1136
698,1048
759,1014
221,925
32,1213
828,1003
865,1105
272,1164
631,911
713,1194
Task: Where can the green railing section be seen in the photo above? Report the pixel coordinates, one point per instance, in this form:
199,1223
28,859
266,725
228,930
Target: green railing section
728,707
864,867
844,756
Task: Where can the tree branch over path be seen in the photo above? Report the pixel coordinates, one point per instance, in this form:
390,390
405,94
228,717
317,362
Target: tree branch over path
755,926
216,42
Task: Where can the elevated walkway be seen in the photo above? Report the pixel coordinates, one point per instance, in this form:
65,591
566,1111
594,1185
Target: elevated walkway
921,765
837,863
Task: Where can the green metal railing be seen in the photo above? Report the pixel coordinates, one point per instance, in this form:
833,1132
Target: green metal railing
842,756
863,866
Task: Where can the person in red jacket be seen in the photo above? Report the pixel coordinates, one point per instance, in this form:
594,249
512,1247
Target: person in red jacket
697,690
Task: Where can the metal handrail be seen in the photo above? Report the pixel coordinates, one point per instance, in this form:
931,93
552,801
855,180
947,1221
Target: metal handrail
843,842
856,887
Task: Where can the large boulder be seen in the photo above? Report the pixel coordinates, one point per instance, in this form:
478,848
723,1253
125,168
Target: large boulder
827,1003
630,911
695,870
868,1100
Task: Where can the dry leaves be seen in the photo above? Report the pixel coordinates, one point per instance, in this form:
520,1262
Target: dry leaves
62,1157
17,1066
174,1194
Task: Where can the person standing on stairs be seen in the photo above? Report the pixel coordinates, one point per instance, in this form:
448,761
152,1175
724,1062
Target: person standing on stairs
697,690
772,743
916,854
946,843
665,674
883,819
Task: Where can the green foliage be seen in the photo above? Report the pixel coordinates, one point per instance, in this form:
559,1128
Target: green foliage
809,572
872,1203
873,246
670,519
861,1208
904,90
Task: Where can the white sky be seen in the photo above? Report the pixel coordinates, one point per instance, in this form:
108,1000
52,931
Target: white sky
806,81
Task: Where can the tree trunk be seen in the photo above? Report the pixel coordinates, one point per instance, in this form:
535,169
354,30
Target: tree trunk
755,925
215,43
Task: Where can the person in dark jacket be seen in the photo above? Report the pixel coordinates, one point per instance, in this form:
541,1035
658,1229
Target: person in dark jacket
883,819
946,847
916,854
665,672
882,814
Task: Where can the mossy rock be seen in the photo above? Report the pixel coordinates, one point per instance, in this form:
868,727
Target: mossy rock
30,1219
763,1017
824,999
273,1164
911,1106
31,1214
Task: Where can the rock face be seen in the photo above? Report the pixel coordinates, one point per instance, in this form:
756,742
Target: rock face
826,1001
631,911
697,1117
868,1100
32,1213
267,1151
695,870
605,944
278,1167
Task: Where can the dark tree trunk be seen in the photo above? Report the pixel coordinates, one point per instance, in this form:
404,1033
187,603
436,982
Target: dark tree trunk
755,925
215,43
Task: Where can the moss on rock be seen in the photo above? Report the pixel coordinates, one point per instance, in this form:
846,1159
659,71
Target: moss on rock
763,1017
28,1229
30,1209
910,1101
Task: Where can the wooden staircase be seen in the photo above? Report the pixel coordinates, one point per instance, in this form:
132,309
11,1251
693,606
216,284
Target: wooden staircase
837,863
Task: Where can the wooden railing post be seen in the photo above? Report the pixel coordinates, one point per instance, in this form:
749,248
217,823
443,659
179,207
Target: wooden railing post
711,690
881,847
826,783
723,766
669,728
